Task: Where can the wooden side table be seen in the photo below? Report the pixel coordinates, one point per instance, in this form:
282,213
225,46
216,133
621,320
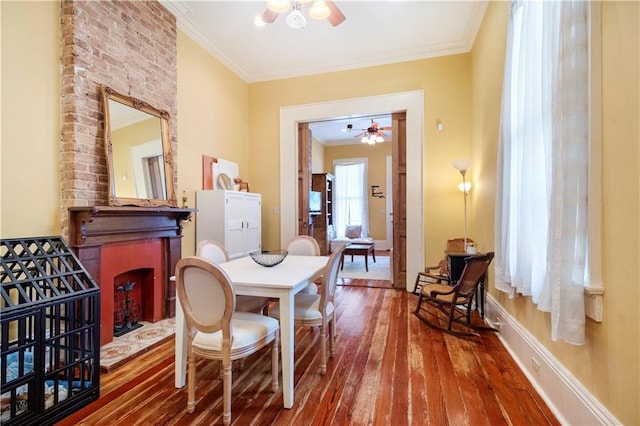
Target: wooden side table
361,250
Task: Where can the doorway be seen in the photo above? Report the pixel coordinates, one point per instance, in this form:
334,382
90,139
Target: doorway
413,104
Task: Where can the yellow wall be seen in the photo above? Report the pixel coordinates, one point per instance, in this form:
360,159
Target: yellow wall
212,120
376,175
608,365
220,115
447,87
123,140
30,175
317,157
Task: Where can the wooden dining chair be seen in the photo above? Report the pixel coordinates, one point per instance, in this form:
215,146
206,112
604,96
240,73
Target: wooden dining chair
318,310
216,253
454,301
305,245
215,330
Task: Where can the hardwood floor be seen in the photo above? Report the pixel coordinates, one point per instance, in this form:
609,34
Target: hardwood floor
389,369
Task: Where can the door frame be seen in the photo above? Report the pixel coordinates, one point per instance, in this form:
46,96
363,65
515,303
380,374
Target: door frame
411,102
388,203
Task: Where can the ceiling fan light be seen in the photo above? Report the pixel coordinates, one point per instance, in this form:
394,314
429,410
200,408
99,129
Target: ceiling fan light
258,21
319,10
379,139
365,139
372,140
296,20
278,6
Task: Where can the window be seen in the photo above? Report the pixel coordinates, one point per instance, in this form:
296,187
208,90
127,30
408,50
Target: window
542,211
350,195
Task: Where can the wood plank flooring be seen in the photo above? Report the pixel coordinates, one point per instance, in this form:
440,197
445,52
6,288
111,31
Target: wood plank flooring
389,369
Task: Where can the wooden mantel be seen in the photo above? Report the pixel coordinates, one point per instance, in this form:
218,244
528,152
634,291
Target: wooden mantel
90,228
105,224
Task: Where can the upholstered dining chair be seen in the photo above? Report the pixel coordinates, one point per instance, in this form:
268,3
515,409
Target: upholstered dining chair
215,330
440,273
305,245
216,253
318,310
454,301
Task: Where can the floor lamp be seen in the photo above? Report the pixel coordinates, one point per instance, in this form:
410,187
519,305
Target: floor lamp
462,166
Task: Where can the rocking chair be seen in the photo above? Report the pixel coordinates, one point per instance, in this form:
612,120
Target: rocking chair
440,272
455,302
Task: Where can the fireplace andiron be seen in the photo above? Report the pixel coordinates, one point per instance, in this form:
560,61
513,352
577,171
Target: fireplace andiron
126,318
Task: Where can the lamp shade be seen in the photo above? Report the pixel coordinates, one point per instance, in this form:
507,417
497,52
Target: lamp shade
278,6
462,165
319,10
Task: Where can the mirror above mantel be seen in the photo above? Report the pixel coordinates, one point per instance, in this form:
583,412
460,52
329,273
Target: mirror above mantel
138,151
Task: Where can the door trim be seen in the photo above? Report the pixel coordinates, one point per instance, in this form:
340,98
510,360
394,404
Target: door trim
388,230
413,104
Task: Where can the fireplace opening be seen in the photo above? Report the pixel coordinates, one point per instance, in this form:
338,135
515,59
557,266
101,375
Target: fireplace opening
129,292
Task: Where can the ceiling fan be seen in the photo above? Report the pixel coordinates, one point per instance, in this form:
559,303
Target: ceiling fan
373,133
320,9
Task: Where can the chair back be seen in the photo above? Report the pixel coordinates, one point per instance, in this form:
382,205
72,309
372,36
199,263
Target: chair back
474,269
212,251
205,295
330,276
456,245
303,245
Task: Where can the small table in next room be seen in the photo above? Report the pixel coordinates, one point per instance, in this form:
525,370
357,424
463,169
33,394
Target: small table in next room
360,250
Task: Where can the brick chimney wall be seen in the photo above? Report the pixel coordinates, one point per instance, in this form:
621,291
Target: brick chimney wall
129,46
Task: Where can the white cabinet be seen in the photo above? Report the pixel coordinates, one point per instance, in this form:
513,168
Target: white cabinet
230,217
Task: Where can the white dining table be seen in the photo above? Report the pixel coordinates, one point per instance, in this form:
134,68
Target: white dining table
282,281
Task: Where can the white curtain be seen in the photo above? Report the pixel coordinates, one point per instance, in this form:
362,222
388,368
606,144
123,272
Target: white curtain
541,210
350,196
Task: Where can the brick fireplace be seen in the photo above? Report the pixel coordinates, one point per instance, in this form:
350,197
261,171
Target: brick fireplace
134,241
131,47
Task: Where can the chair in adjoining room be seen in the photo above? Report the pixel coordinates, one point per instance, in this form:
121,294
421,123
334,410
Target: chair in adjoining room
305,245
216,253
215,331
440,273
455,302
311,310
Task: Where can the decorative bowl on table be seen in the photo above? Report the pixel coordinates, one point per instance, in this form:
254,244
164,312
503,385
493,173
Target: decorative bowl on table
268,258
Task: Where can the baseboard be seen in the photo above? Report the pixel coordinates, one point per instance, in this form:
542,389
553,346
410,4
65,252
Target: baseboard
569,400
381,245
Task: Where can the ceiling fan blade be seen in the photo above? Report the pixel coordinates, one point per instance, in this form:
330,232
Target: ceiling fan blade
269,16
336,17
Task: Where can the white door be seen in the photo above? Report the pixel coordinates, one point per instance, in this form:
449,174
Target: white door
253,222
234,238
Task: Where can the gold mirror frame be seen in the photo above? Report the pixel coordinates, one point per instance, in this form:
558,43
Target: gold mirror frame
168,197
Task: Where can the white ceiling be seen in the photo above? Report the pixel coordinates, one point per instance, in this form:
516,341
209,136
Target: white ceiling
335,132
374,33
